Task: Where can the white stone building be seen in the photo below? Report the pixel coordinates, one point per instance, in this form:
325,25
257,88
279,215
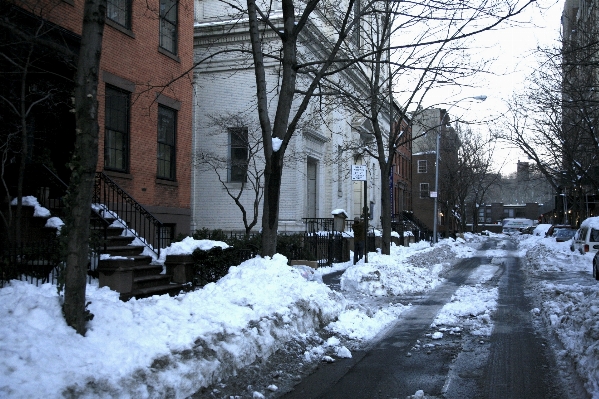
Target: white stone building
316,178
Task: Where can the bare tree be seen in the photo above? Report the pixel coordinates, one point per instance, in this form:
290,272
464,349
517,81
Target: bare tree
472,175
288,28
405,49
245,165
554,120
84,162
25,52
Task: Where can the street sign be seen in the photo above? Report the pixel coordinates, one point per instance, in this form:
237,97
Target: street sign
433,194
358,172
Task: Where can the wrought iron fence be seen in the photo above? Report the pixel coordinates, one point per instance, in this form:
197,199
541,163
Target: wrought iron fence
314,225
37,262
327,248
119,204
51,193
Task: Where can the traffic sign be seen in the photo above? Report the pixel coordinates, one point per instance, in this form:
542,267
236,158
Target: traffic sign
358,172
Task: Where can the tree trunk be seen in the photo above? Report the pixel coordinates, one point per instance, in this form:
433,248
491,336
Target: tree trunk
386,214
83,163
24,148
270,210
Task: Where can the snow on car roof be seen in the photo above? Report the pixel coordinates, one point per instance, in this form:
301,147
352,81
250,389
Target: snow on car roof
592,222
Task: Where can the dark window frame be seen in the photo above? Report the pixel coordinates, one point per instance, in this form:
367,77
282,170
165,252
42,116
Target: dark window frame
115,125
166,234
169,25
238,154
425,193
166,144
120,7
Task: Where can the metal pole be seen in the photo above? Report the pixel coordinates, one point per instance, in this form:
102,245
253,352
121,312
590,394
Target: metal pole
365,221
436,183
443,114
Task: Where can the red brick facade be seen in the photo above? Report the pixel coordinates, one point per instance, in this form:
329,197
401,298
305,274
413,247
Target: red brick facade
402,170
132,60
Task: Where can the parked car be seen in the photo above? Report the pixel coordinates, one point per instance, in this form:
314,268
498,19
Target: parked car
541,229
528,230
554,227
587,238
596,266
563,235
511,231
573,240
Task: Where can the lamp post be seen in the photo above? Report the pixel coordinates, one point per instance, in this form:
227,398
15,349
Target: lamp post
445,113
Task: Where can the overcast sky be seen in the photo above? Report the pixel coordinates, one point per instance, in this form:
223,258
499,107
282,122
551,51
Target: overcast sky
511,47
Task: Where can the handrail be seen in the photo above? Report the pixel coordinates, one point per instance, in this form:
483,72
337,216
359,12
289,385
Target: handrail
314,225
56,190
136,219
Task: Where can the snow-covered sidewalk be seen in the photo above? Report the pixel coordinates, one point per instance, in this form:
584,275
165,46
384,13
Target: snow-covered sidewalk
570,306
173,346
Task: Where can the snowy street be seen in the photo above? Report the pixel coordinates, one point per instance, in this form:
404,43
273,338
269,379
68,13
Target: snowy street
266,327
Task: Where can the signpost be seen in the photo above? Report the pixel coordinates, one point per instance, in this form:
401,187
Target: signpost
360,173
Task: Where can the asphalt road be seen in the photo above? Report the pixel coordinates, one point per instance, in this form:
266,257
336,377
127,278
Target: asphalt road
516,361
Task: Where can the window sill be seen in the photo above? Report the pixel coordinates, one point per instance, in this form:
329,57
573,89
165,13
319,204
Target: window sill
120,175
169,54
120,28
233,184
167,182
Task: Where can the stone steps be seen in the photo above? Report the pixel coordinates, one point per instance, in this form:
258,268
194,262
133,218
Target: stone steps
129,272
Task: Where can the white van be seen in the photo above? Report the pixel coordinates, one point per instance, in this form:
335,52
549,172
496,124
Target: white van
587,237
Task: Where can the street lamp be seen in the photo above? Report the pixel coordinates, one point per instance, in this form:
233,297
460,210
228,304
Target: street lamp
480,98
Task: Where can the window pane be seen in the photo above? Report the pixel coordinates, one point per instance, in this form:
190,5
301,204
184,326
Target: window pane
424,192
119,11
238,153
168,10
167,127
116,141
168,25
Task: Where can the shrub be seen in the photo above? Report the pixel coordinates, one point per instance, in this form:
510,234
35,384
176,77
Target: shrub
211,265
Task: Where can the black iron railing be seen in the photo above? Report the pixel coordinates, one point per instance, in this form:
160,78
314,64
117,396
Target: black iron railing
50,190
37,263
119,204
326,247
412,223
314,225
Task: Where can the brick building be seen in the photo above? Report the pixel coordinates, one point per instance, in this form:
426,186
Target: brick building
402,170
426,124
144,95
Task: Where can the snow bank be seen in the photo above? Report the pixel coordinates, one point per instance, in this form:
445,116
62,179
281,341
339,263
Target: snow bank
160,346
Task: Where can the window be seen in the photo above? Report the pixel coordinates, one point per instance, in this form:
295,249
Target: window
422,166
166,234
119,11
238,154
357,32
168,25
167,130
424,190
116,130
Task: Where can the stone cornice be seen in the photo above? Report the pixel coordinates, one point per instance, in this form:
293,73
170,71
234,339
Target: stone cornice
314,135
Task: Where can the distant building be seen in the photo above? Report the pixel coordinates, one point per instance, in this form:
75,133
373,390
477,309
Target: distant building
578,182
402,170
428,124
